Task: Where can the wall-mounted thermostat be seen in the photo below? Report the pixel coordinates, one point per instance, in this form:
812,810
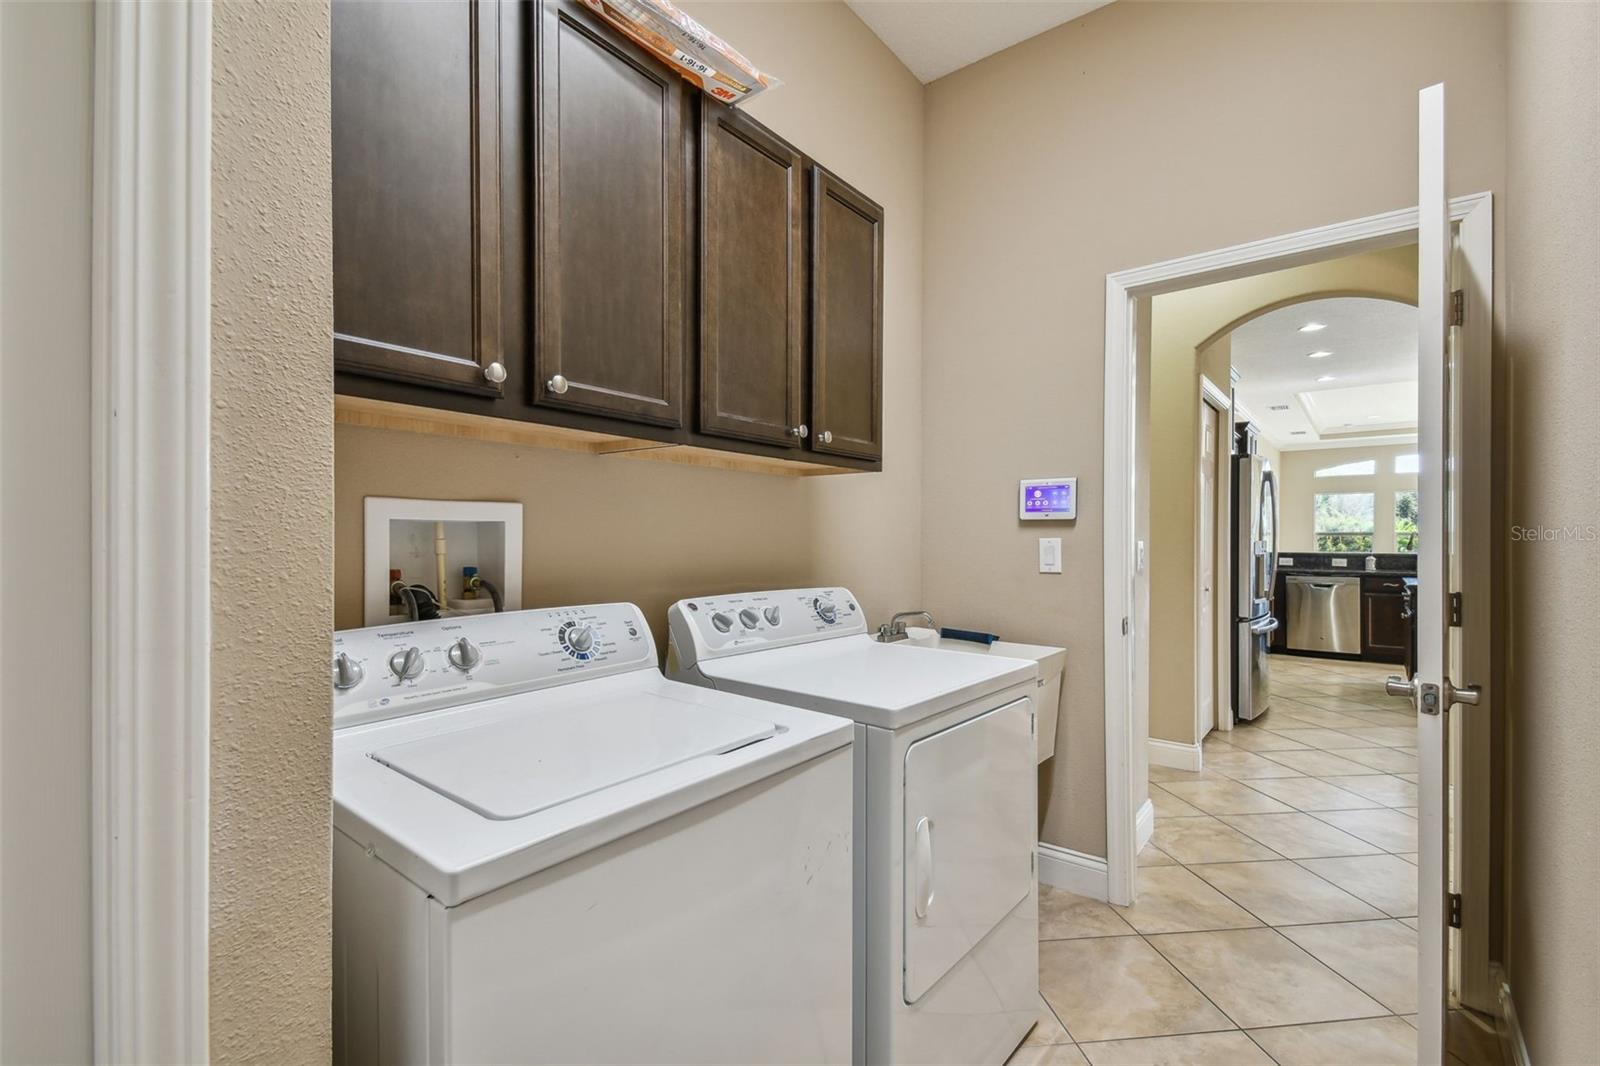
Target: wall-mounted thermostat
1047,499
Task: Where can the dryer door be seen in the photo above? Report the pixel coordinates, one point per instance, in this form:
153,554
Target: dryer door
969,837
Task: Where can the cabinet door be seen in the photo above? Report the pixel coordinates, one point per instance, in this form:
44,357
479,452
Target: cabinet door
750,280
610,224
846,320
1384,627
416,192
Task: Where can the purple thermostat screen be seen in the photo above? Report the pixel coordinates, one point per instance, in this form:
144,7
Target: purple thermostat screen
1049,498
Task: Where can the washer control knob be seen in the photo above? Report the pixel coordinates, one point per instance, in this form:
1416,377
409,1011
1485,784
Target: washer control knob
774,616
750,617
347,673
722,621
406,663
464,655
826,610
580,638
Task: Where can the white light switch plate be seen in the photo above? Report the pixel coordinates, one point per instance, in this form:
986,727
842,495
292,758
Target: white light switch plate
1049,555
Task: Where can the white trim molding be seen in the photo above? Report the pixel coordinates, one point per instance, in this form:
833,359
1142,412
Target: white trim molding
1072,871
1119,637
1144,826
151,574
1174,755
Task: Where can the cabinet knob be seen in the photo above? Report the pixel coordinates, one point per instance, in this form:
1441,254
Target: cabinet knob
825,437
800,431
557,385
495,372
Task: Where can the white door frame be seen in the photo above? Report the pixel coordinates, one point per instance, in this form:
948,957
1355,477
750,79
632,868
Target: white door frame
1214,398
1123,291
151,633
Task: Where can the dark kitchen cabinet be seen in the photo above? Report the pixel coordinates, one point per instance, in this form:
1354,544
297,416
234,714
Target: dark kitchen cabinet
1280,610
751,281
1384,625
416,99
609,217
846,320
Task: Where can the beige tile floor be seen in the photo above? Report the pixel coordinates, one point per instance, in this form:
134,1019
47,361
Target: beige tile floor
1277,900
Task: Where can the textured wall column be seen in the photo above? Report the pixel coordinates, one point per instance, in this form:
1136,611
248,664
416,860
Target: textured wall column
272,532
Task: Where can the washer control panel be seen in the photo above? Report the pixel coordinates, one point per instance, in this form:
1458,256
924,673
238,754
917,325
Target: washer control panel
707,626
392,670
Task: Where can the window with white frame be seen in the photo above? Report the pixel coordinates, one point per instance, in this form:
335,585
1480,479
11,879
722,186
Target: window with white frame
1344,521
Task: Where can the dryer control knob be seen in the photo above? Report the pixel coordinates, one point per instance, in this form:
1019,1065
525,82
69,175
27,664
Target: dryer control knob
723,622
826,610
406,663
347,673
464,655
750,617
580,638
773,616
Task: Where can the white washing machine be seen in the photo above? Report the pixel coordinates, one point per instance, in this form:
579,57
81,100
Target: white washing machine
545,851
947,926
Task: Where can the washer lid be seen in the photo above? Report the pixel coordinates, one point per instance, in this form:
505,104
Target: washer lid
515,767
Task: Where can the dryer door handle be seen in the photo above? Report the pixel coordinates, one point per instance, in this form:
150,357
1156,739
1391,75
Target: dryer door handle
924,867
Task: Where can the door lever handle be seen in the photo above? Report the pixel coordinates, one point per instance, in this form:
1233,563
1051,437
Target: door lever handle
1434,698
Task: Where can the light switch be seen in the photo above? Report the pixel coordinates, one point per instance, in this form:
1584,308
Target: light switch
1049,555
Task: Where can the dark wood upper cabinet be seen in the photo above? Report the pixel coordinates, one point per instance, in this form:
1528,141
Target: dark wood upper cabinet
846,320
609,217
751,280
416,193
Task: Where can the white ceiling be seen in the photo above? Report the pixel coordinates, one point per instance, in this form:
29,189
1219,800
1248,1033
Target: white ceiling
1372,397
934,37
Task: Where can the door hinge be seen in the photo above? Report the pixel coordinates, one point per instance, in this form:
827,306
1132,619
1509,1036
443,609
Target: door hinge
1454,899
1458,308
1124,627
1455,609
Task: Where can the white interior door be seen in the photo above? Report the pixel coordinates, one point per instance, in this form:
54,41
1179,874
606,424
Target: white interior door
1206,625
1439,567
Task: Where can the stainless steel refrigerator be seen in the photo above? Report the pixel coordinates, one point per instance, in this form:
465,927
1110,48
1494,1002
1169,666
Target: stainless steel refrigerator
1255,566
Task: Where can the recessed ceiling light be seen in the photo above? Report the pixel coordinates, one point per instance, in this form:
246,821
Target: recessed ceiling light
1326,377
1312,327
1319,354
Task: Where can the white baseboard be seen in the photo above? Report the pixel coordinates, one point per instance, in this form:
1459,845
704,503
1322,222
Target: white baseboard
1144,826
1513,1047
1172,754
1072,871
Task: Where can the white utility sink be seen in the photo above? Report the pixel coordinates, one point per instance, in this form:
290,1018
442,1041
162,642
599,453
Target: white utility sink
1052,665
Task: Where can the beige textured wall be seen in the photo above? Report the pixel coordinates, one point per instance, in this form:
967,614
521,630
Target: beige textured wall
1181,322
271,530
1298,484
610,528
1553,262
46,64
1138,133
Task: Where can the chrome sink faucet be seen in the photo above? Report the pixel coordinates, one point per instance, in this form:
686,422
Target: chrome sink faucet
895,628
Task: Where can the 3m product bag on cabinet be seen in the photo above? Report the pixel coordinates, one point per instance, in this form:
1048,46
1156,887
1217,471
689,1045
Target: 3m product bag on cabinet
694,51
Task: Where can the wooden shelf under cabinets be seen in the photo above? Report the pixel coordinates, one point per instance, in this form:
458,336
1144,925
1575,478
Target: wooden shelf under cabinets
384,414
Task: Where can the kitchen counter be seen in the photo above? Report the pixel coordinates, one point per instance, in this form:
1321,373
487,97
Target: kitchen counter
1333,571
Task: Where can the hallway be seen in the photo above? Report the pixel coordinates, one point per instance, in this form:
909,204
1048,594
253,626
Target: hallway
1276,919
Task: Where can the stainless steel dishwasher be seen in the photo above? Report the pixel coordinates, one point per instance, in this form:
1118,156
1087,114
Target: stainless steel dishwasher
1324,613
